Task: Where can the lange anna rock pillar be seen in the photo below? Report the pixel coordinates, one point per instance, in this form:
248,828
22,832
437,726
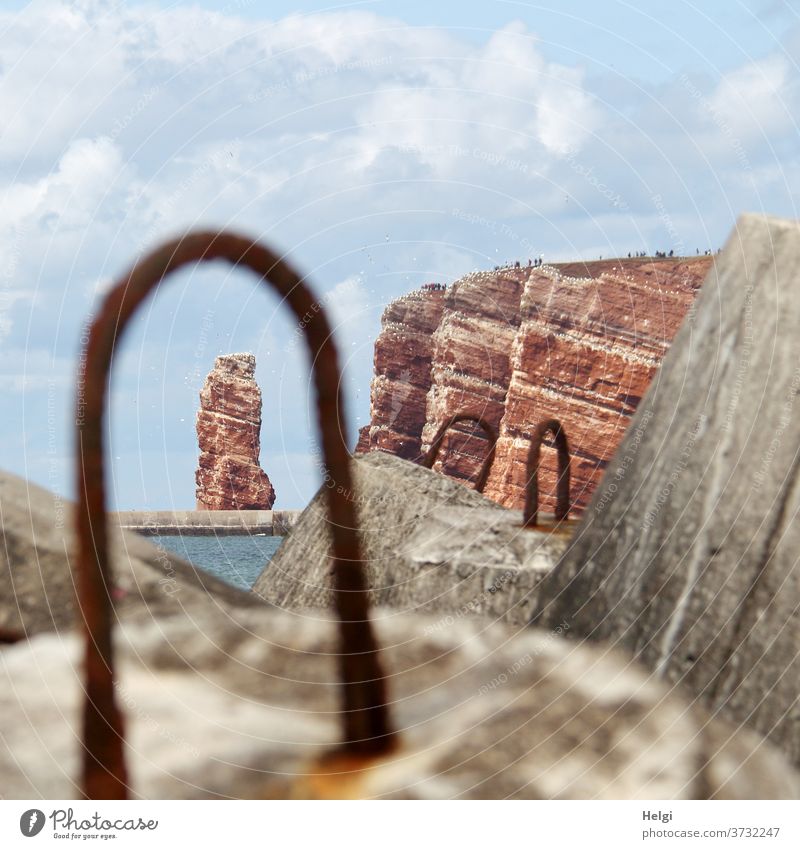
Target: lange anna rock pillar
229,476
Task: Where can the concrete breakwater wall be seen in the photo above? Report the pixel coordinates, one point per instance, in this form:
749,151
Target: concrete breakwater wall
207,522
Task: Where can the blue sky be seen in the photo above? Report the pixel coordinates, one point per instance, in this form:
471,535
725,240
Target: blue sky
381,145
647,40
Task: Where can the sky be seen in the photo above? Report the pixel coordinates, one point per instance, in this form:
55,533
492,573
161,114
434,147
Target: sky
379,145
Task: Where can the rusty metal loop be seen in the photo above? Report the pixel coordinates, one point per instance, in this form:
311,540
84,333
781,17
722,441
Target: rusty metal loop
9,636
531,514
433,452
366,723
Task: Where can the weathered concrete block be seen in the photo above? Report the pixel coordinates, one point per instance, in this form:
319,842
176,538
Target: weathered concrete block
206,522
244,705
466,561
688,553
430,544
37,546
283,521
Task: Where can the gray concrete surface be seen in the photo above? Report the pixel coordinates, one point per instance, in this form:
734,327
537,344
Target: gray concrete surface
243,705
430,544
688,554
37,553
207,522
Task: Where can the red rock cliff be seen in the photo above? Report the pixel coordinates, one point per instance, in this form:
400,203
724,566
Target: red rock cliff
579,342
229,476
402,375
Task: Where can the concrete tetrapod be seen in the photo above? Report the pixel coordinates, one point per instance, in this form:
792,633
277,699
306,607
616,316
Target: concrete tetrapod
688,553
37,591
244,705
429,543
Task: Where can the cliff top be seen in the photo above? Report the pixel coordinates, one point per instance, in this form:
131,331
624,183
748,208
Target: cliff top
633,268
595,268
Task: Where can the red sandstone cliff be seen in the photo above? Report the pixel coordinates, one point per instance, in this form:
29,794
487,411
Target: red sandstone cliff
229,476
402,375
579,342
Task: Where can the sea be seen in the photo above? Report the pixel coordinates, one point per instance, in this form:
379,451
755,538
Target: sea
238,559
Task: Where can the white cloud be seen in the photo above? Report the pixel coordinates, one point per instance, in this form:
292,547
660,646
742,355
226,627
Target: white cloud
503,98
755,99
71,193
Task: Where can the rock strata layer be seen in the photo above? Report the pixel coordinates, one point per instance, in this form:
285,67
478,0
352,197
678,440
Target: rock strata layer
402,379
229,476
579,342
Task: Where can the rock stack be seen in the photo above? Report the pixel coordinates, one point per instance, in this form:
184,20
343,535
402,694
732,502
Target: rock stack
229,476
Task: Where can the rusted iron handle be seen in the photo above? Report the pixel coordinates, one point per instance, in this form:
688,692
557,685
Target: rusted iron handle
531,514
433,452
9,636
365,714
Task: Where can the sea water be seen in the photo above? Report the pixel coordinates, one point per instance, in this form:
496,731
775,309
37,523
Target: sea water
238,559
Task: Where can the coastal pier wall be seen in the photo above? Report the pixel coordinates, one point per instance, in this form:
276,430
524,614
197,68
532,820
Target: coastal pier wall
207,522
